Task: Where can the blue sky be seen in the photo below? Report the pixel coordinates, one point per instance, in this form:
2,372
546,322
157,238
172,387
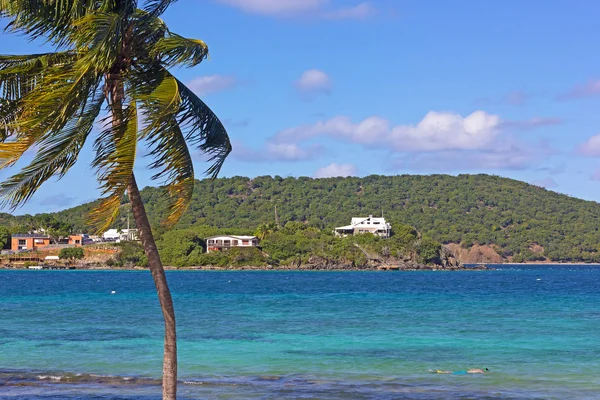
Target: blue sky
335,88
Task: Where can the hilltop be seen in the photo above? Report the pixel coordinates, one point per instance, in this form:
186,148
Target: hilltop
483,216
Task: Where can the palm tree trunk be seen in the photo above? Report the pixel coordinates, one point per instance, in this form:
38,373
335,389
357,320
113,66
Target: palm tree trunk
116,93
169,380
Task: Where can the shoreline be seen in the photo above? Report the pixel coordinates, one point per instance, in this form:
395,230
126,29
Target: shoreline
387,268
536,263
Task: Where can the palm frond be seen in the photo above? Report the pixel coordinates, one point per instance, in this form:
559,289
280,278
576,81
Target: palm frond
198,123
102,34
156,7
169,149
51,20
46,109
19,75
147,30
174,162
203,129
56,154
174,50
9,109
115,156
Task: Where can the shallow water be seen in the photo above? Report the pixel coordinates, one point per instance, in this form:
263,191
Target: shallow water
307,335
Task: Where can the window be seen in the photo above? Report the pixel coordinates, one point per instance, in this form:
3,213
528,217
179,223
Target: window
38,241
234,242
22,242
245,242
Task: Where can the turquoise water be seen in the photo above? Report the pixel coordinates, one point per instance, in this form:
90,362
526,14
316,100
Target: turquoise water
304,335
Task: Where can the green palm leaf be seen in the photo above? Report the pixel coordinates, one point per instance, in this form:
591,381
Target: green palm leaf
156,7
115,157
203,129
56,154
176,50
46,109
169,149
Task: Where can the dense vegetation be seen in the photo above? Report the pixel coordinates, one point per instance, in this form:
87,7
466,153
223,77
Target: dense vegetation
523,222
297,244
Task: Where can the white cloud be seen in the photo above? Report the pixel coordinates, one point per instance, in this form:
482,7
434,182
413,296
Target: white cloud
437,131
590,147
313,79
588,89
440,141
294,8
212,84
313,82
333,170
288,152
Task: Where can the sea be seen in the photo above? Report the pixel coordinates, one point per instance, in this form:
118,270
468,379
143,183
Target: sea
305,335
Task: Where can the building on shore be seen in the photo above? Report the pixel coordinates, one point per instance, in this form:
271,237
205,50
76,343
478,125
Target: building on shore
29,241
225,242
120,235
79,240
370,224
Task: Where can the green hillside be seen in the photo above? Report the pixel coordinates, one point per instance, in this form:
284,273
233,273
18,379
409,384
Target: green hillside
515,217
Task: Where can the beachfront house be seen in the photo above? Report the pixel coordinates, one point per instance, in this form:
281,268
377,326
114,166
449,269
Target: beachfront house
29,241
225,242
370,224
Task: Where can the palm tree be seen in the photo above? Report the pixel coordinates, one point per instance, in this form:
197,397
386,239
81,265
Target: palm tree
112,54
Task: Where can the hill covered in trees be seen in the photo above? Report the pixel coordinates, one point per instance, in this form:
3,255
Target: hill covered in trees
521,222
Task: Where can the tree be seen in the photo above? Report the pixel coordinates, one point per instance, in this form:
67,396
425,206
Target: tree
4,237
71,254
264,230
109,52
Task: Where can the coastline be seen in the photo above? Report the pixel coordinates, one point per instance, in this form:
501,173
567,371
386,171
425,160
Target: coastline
294,268
270,268
536,263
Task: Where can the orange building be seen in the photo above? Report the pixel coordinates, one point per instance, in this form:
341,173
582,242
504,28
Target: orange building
76,240
26,241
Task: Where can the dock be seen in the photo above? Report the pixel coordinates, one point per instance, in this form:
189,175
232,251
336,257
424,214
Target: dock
51,267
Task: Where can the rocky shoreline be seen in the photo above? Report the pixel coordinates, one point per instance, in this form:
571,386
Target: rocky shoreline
446,262
306,267
303,267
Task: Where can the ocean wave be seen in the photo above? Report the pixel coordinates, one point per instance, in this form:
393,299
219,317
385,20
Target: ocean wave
84,385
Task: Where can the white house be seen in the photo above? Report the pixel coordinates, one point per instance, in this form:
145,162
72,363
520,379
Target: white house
224,242
376,226
120,235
